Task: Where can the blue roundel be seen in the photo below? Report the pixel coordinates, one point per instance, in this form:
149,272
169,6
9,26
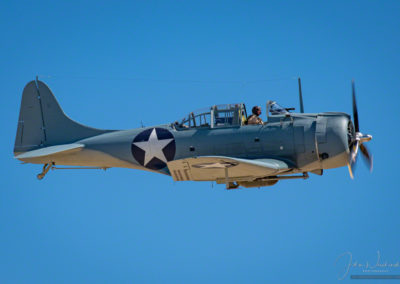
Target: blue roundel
153,148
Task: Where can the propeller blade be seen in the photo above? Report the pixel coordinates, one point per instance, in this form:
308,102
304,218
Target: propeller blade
350,171
355,112
358,139
354,152
352,158
367,156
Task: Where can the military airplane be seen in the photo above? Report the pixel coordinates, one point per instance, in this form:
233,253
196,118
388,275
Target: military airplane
211,144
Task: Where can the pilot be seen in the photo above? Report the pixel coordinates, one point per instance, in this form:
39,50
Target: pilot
255,117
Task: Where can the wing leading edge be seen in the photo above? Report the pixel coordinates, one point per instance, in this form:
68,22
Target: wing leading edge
208,168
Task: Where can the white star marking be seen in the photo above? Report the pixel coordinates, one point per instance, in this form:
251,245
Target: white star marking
153,147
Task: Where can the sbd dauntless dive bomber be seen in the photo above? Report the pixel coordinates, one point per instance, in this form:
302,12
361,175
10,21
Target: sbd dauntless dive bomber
220,143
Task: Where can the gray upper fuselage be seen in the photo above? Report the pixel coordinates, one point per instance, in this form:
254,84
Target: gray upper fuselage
306,142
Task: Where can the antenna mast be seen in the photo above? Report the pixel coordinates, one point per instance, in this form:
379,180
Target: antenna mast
300,97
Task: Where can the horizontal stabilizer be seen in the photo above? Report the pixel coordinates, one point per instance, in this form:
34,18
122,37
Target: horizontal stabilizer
48,152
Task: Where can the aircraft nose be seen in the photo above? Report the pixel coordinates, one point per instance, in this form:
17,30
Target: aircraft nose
333,143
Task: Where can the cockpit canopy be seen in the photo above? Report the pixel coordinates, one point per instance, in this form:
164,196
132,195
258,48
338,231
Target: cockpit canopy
227,115
216,116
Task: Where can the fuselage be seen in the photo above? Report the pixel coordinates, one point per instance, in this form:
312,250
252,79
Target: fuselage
307,142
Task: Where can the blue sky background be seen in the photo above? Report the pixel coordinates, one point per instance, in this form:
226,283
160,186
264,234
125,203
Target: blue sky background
113,64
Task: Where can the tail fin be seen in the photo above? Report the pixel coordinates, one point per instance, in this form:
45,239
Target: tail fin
43,123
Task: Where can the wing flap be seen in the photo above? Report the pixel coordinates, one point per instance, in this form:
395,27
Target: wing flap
217,167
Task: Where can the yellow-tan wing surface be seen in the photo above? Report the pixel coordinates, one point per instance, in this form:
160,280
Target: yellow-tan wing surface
207,168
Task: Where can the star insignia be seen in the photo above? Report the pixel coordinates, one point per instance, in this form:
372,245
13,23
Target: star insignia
153,147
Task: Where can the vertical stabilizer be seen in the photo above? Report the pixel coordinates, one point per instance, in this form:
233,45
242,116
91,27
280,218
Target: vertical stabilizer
43,123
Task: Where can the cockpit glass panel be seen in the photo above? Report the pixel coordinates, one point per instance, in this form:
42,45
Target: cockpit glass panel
215,116
198,118
227,115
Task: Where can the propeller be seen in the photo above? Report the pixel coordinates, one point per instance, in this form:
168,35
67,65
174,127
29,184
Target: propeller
357,140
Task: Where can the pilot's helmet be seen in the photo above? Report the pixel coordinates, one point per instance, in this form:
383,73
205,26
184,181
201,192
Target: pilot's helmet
255,110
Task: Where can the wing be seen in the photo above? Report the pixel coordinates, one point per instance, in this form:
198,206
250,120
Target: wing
207,168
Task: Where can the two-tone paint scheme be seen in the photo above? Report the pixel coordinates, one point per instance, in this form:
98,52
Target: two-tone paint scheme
214,144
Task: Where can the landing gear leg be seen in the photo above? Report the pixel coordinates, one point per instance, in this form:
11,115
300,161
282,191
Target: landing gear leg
46,168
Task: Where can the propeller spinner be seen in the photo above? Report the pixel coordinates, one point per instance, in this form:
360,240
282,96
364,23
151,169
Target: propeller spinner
357,140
